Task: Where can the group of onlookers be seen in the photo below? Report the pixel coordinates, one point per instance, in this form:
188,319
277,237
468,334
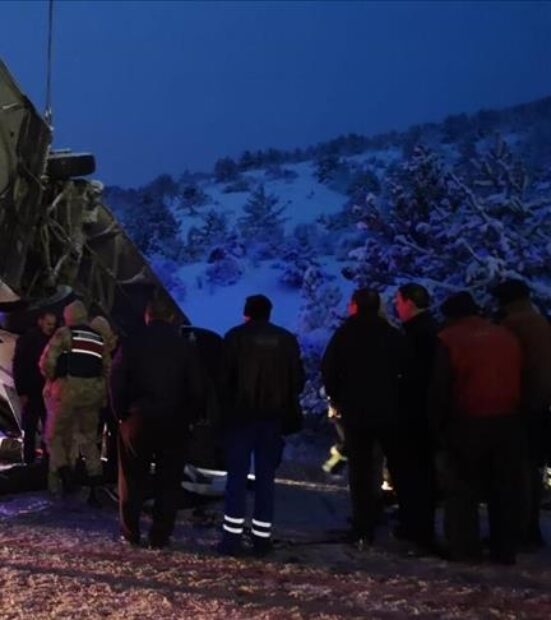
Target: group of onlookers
472,395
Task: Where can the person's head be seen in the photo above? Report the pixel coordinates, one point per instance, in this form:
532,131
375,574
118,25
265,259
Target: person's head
75,313
410,300
159,308
459,306
364,301
257,308
47,322
510,291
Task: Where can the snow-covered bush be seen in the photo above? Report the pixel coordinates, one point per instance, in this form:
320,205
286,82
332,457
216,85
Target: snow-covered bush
223,268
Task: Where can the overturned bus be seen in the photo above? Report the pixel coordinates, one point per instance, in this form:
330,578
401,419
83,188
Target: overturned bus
58,241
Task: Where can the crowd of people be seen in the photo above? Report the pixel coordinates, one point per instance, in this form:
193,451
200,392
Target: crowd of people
472,396
460,411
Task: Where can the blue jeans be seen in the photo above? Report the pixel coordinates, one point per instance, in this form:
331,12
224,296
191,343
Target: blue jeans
264,442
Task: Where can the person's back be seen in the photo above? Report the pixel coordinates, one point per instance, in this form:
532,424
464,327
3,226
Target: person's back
264,375
534,334
160,365
486,361
155,388
363,369
478,372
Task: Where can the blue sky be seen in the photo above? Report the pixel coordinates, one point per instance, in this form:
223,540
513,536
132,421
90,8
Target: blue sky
153,87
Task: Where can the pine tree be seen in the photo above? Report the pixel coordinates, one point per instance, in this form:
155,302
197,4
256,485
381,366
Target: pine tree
455,233
263,222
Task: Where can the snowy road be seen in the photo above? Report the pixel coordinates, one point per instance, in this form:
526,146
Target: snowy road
63,562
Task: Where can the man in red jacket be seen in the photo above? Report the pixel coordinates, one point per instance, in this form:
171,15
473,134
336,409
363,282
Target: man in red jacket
475,402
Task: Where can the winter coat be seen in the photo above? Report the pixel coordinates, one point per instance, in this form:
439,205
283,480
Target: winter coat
477,371
263,375
75,363
363,370
26,374
156,375
421,334
534,334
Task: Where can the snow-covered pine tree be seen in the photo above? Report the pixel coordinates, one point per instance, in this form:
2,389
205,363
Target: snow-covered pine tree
453,233
262,226
201,239
318,317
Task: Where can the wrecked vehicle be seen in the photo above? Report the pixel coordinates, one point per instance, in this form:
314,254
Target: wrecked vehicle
58,240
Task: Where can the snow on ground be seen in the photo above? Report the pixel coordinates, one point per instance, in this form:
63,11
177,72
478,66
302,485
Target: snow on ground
220,307
64,561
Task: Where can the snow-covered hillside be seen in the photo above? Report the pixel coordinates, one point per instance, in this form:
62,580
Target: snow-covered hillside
457,205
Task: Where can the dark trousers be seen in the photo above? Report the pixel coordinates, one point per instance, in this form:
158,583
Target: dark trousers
538,432
417,476
364,476
33,412
142,442
109,428
261,440
486,459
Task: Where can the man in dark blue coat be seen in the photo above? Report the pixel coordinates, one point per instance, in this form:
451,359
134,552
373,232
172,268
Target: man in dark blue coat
263,380
363,371
156,392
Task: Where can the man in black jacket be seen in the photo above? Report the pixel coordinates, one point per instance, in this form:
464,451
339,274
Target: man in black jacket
363,369
418,478
156,393
264,377
29,381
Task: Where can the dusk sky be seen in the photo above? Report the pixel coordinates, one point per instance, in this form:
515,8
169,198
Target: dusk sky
154,87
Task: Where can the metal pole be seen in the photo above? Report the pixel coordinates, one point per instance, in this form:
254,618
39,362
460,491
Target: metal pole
48,114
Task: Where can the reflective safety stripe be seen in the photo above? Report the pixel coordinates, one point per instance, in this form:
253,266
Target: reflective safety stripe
261,523
234,520
260,534
232,530
74,350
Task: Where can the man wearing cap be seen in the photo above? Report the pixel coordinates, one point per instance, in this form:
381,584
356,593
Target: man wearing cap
263,380
75,364
475,398
534,335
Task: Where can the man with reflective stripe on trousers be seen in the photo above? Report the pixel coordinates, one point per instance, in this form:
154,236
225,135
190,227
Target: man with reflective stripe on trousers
263,379
75,364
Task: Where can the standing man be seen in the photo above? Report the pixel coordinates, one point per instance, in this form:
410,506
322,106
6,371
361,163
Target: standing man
264,377
534,335
475,398
363,371
74,363
419,480
156,394
29,381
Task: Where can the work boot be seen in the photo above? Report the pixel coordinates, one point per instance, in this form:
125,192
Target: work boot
93,500
65,474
